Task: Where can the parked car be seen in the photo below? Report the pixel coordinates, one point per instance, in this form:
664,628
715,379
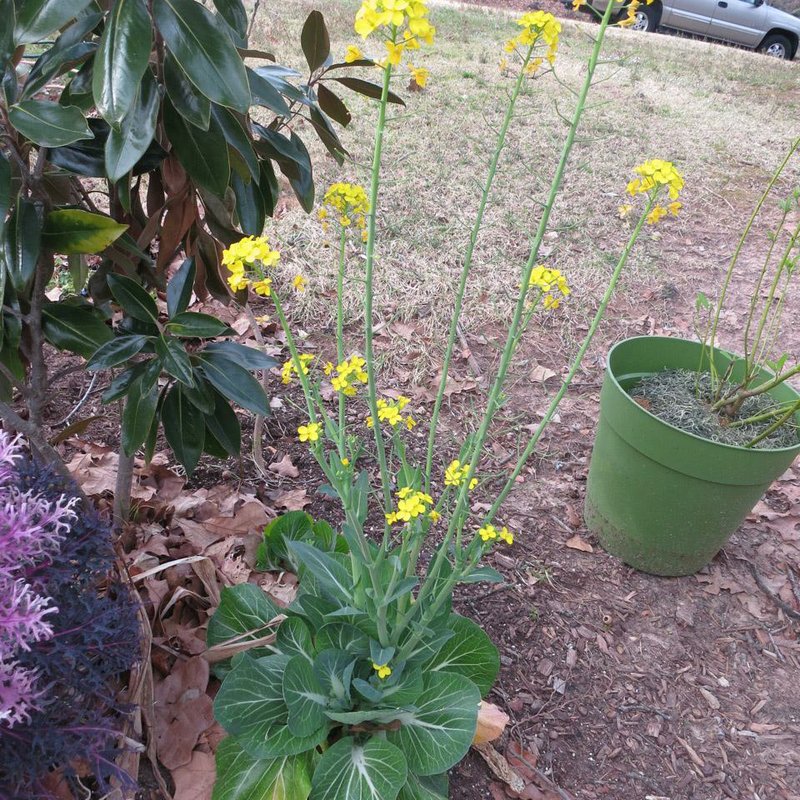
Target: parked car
750,23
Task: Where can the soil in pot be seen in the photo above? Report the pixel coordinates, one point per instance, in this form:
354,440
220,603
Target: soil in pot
680,398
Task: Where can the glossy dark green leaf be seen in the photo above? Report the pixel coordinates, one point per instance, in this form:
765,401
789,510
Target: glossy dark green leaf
49,124
133,298
8,15
72,230
88,158
74,328
270,189
277,75
224,426
328,135
315,41
179,289
175,359
238,138
121,383
201,395
234,382
194,325
265,94
301,175
369,89
115,352
138,415
126,145
209,60
333,106
249,205
184,428
38,19
189,103
233,12
54,62
248,357
5,192
23,242
203,154
121,59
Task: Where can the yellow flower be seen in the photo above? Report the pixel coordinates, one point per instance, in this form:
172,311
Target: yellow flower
503,65
533,66
578,4
328,368
349,374
246,254
658,213
262,320
263,287
348,202
410,422
395,52
537,26
434,516
299,283
290,369
345,462
624,210
456,474
395,18
370,423
548,281
310,432
656,173
352,54
674,207
487,533
420,75
383,670
410,505
551,303
506,535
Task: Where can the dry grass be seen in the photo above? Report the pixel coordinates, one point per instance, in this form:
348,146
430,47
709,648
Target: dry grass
725,116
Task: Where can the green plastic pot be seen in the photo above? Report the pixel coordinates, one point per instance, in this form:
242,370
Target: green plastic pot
663,500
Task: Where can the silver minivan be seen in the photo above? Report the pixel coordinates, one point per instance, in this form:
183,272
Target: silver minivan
750,23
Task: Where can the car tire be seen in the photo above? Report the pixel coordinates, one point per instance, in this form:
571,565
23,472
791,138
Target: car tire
776,45
647,18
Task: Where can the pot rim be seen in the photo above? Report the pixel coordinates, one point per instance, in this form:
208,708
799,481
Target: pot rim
721,351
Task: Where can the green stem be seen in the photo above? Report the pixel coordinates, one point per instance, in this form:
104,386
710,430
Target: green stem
735,259
740,396
764,415
369,352
340,348
754,296
559,396
492,402
775,425
462,283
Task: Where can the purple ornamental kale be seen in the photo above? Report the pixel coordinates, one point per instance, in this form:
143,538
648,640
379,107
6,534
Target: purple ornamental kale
31,529
68,632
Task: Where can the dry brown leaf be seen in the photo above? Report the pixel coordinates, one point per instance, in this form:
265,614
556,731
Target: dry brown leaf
540,374
285,468
579,543
195,780
492,722
292,500
250,518
183,711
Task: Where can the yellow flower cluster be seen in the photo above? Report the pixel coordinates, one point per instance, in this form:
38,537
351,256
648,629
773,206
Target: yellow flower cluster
410,505
243,255
456,474
489,533
350,204
406,18
633,7
290,369
536,26
310,432
383,670
390,412
348,375
549,282
656,174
